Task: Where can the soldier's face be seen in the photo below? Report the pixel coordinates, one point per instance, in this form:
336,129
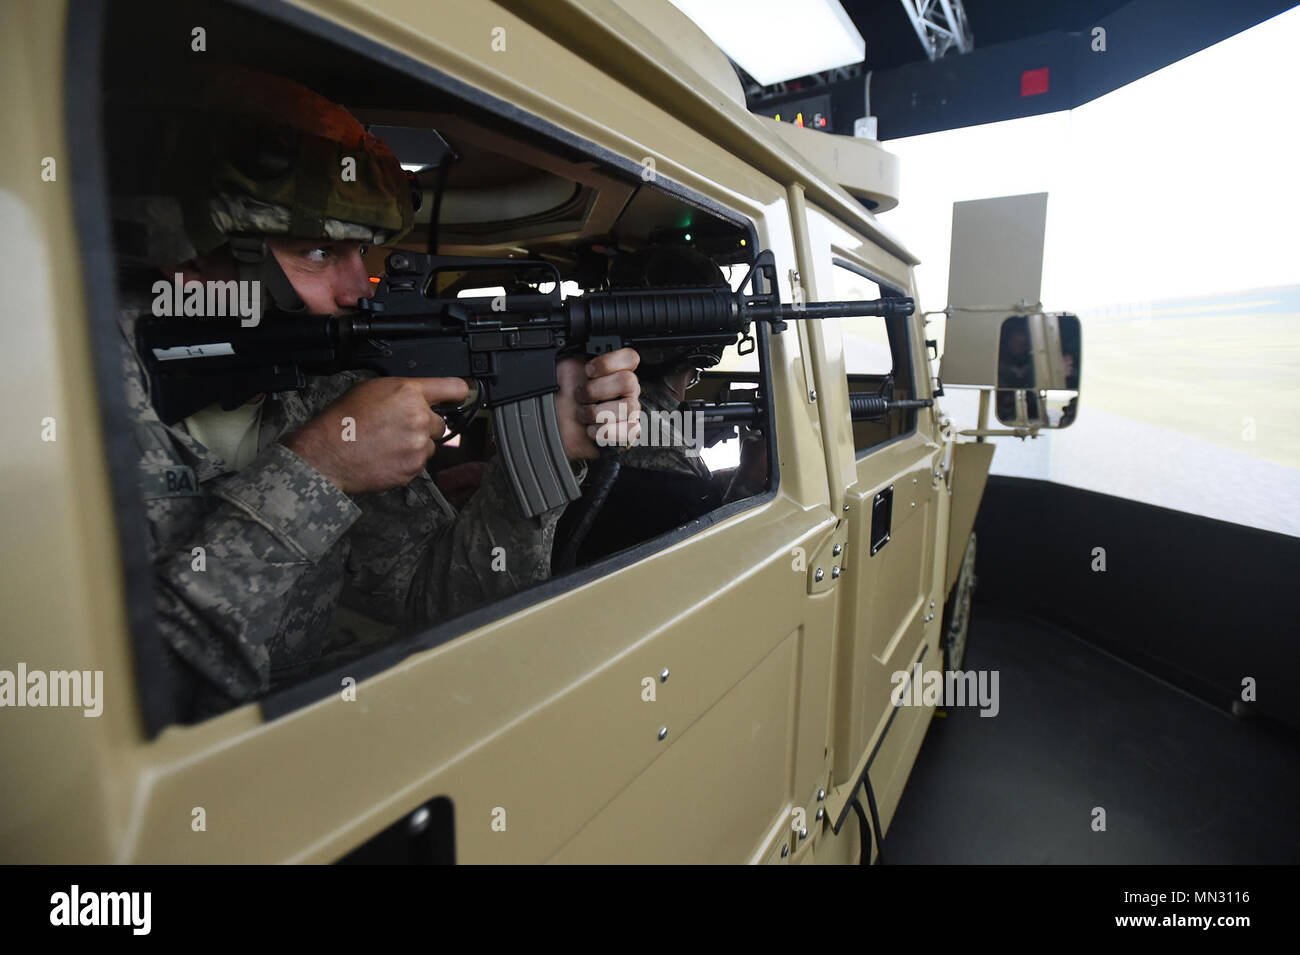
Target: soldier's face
330,277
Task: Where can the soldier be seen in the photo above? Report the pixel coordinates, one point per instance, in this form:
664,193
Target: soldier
666,374
663,482
265,519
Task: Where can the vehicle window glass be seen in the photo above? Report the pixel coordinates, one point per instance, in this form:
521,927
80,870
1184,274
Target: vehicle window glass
866,339
870,346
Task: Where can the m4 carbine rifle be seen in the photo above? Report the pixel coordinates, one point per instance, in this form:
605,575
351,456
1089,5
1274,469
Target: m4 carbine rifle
508,344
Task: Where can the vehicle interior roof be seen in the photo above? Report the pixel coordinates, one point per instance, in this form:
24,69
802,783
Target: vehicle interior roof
510,192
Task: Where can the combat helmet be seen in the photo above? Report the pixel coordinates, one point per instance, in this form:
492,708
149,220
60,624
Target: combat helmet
669,266
236,155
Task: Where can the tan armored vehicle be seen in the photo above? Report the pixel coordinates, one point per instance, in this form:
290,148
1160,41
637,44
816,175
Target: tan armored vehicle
708,683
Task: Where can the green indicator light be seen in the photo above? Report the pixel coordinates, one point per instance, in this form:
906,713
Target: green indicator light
688,237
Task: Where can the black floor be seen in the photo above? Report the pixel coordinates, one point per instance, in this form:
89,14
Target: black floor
1180,781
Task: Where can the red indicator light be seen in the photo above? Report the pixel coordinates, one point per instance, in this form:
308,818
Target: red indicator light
374,280
821,121
1034,82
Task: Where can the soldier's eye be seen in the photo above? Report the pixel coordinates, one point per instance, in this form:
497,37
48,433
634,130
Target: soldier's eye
318,255
362,250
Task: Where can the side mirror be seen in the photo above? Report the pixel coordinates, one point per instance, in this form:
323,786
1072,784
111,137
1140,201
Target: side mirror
1039,364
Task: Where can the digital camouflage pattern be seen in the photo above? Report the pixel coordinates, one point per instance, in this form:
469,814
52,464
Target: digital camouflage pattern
671,454
283,547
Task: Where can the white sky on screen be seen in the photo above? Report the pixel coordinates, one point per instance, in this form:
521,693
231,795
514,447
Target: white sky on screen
1182,183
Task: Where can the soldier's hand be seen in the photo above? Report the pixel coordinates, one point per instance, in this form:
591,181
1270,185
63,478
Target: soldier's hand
598,402
380,434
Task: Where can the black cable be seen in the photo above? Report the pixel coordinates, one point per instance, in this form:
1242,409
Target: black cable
875,820
864,833
605,472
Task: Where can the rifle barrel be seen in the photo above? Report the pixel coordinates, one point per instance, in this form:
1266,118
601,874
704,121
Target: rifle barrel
885,307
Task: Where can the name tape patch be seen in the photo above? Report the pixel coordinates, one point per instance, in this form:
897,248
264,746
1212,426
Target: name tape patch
169,480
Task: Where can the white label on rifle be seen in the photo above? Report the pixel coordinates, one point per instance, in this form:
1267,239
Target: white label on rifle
210,350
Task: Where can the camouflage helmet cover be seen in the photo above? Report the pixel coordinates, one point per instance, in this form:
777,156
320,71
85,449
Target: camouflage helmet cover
252,153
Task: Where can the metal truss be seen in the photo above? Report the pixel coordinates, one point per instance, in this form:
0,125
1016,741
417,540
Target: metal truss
940,25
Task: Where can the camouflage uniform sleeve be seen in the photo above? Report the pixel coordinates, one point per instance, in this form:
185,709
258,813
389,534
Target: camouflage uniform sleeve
274,521
415,558
261,530
669,441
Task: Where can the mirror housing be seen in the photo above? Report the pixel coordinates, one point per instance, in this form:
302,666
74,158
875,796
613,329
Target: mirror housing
1040,358
997,337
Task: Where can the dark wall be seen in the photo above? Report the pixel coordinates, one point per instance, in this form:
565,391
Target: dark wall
1198,602
984,86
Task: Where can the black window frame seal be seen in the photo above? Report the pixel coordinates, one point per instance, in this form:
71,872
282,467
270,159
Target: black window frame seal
82,89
